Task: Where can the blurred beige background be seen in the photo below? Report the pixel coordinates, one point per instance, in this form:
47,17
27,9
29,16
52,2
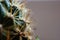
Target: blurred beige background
43,0
46,16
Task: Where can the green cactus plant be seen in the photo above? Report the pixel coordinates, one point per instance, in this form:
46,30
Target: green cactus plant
37,38
11,22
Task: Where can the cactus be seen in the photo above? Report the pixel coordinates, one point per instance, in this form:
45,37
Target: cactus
12,19
37,38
